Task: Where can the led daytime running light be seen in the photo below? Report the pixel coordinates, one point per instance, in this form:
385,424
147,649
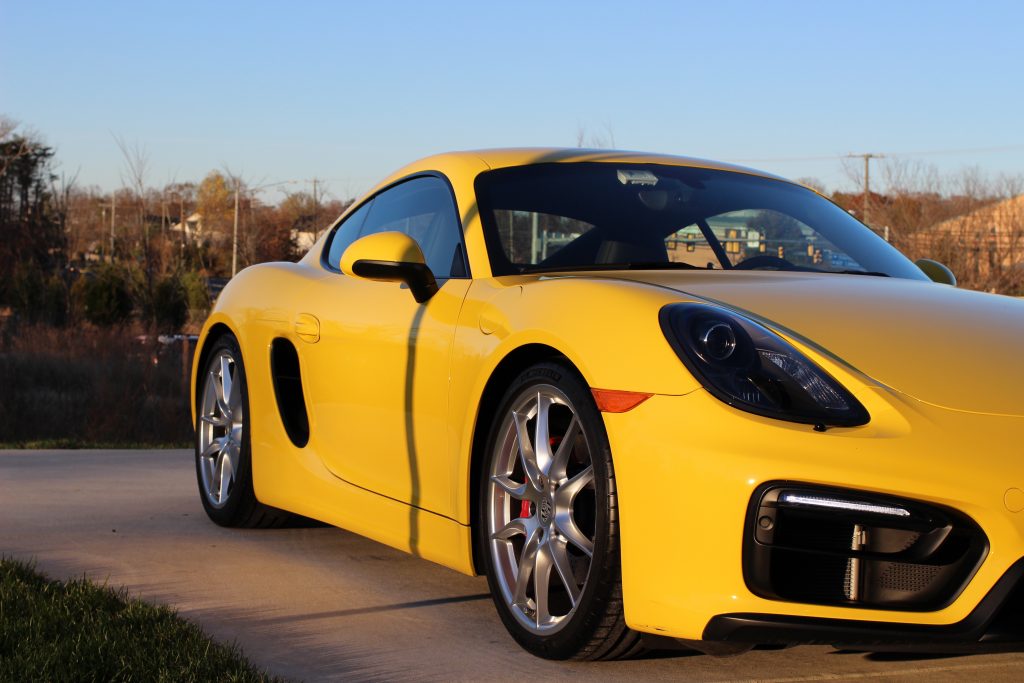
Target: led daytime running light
839,504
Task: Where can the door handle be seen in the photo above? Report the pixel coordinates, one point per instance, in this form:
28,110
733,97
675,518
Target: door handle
307,327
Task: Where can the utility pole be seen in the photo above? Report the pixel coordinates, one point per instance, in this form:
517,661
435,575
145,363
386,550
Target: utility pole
316,212
867,181
113,219
182,223
234,241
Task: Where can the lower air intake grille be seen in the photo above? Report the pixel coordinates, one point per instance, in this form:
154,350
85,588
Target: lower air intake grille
841,547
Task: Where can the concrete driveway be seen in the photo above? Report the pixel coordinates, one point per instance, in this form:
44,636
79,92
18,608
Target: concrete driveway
323,604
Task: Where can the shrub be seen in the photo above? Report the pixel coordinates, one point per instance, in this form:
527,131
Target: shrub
104,296
95,386
36,297
198,296
170,303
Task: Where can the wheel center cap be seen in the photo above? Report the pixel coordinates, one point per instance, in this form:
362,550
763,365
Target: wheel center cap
545,511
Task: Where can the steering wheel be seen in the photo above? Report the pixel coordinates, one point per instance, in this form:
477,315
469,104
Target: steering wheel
764,261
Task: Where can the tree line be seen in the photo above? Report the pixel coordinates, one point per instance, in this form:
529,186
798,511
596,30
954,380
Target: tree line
70,253
969,220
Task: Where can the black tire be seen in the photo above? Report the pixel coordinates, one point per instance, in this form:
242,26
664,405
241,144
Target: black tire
239,506
593,625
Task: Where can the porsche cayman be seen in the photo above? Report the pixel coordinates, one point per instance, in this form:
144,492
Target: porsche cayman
654,399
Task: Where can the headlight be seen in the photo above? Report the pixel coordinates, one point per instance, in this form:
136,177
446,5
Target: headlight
751,368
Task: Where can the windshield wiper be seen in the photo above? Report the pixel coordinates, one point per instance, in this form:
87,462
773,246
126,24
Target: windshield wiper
859,272
660,265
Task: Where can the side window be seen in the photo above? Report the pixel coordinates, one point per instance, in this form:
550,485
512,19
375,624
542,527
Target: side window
345,234
423,209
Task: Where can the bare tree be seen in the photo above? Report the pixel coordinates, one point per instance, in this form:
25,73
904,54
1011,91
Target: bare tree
604,139
136,167
21,146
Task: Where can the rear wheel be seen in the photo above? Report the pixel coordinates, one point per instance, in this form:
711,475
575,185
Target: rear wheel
549,520
223,451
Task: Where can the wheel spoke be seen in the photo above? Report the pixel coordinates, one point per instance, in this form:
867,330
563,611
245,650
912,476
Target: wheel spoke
568,491
542,440
542,584
216,473
516,527
215,447
209,465
225,384
560,460
526,564
227,475
512,488
527,456
566,526
560,560
212,394
215,420
225,378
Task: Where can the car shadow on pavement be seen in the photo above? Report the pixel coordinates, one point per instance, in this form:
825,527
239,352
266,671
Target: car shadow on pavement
904,656
375,609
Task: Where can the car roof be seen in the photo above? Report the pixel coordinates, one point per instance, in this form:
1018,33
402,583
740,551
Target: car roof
473,161
500,158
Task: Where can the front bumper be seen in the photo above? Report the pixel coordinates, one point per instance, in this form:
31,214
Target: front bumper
997,623
688,466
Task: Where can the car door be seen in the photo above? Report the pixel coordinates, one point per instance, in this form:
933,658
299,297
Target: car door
377,376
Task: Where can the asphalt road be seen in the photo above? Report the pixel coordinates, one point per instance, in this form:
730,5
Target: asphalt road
323,604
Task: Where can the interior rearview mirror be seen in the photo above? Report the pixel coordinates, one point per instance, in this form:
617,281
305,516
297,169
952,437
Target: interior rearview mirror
936,271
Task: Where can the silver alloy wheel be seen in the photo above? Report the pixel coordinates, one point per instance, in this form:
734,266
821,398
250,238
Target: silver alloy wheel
541,528
221,419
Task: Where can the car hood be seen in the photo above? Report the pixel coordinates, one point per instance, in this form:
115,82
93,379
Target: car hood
949,347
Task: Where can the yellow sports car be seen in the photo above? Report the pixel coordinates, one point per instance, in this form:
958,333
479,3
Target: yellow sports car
652,398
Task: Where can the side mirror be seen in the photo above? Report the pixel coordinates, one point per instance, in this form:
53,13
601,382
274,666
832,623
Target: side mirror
390,257
936,271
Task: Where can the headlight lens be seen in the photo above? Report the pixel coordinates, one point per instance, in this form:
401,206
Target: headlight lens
751,368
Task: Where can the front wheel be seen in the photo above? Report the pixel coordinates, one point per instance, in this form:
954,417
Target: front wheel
223,450
549,520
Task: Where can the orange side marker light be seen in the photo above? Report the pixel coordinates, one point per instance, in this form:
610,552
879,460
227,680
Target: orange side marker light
612,401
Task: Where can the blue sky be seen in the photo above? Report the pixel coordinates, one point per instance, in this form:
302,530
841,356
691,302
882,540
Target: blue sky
348,91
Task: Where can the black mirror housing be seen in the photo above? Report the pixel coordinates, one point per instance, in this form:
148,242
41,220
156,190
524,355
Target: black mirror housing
418,276
938,272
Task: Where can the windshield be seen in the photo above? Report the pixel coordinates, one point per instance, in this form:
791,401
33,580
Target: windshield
573,216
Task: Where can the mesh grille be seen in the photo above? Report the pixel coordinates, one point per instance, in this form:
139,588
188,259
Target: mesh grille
908,577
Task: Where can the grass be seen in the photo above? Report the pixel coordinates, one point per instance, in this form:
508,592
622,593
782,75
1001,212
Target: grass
78,631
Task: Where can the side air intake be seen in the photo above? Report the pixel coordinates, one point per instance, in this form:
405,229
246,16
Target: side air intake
291,404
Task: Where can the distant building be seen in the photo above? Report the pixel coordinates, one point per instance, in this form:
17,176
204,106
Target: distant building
191,226
303,240
992,237
194,229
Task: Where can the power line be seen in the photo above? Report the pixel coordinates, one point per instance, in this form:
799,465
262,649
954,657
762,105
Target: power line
932,152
